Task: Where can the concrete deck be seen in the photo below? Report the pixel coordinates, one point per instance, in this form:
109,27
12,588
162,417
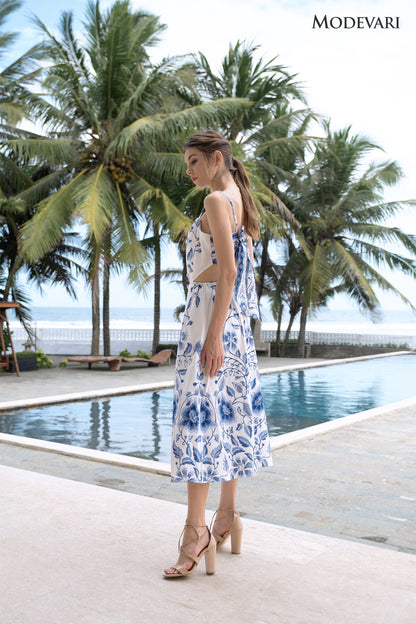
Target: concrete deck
76,552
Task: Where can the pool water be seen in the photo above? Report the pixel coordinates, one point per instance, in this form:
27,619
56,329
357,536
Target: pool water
140,425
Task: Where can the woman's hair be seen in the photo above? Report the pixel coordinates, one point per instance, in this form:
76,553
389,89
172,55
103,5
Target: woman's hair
209,142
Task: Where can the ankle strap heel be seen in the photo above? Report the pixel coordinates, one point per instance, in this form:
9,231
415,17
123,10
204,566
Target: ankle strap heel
208,551
235,532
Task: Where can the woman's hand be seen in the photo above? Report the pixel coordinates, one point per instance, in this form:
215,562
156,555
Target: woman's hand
212,355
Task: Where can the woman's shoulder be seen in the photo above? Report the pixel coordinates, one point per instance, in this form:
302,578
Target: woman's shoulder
214,198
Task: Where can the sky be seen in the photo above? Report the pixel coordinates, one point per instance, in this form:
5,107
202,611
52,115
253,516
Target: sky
358,77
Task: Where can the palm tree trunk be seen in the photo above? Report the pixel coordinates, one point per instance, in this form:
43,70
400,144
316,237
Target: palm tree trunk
106,307
95,305
263,265
278,330
302,331
287,334
157,278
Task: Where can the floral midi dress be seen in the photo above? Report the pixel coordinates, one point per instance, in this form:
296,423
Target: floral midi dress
219,429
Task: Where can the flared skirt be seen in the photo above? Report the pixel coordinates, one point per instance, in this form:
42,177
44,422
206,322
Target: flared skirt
219,429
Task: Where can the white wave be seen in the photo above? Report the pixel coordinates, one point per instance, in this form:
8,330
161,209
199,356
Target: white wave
398,329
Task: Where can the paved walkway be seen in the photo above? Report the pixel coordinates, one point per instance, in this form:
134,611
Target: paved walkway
76,552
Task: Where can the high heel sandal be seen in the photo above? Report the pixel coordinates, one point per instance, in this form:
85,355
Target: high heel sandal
209,551
235,531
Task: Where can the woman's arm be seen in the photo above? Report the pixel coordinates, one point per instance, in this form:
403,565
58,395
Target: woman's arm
212,354
250,249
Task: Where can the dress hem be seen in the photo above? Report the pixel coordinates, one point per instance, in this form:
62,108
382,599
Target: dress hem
239,474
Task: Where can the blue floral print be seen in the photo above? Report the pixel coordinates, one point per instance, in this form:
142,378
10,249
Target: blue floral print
219,425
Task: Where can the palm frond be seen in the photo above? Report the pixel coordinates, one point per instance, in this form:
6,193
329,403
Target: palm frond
159,206
316,276
95,197
203,115
52,217
129,250
55,151
381,256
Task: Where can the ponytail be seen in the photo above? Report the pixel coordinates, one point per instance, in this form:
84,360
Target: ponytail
209,142
251,216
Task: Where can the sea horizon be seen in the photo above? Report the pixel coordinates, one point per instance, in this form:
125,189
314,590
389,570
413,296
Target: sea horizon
399,322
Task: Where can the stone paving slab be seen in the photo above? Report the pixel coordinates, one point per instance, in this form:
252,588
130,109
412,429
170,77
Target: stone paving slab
77,553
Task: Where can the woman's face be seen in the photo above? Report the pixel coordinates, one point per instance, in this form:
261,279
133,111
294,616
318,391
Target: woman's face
198,167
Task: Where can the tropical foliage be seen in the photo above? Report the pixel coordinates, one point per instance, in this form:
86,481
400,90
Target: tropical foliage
343,240
17,179
105,158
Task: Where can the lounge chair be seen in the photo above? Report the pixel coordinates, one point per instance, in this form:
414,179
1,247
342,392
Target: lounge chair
113,361
156,360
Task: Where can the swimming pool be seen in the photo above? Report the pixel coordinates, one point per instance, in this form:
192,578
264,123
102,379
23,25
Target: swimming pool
140,425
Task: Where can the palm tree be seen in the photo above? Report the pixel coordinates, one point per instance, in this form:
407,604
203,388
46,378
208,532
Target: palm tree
17,178
107,112
16,100
345,241
279,149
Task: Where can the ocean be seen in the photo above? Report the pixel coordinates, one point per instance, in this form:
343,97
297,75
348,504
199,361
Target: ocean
395,322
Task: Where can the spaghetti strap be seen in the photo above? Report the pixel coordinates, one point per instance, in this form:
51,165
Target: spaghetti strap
231,203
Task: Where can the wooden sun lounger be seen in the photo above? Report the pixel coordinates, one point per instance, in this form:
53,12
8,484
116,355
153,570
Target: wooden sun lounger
156,360
114,361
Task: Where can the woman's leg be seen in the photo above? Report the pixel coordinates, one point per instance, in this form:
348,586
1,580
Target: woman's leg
228,494
197,500
224,517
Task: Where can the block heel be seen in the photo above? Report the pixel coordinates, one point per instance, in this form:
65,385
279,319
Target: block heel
235,531
210,556
236,539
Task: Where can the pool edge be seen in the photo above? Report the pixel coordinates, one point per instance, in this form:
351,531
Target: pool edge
126,461
300,435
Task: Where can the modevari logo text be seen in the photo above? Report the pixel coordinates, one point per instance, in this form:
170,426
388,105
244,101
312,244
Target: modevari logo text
347,22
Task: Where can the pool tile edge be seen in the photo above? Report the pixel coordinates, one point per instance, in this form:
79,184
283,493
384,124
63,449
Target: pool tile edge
78,452
321,363
285,439
87,394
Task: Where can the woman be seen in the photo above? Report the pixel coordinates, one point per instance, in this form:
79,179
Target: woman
219,424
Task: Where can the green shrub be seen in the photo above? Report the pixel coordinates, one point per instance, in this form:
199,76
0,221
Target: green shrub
25,354
126,353
143,354
42,360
